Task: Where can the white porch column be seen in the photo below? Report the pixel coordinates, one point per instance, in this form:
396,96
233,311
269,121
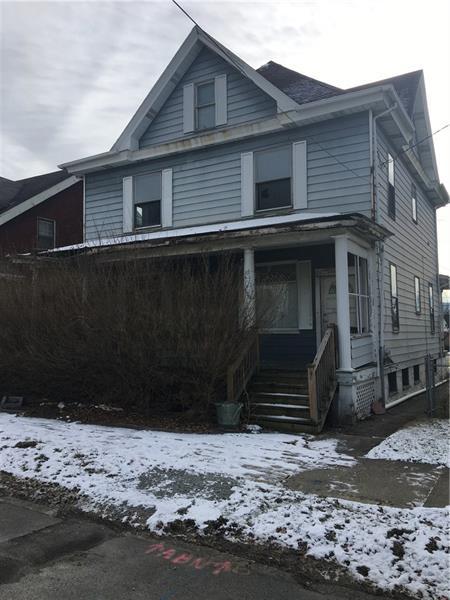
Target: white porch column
342,302
249,285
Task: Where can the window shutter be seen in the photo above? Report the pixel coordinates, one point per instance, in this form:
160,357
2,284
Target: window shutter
166,198
247,184
188,108
299,175
305,316
220,92
127,194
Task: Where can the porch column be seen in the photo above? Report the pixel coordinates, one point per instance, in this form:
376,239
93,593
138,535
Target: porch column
342,302
249,285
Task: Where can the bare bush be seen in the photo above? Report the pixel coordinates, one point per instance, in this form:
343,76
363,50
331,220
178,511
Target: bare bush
156,334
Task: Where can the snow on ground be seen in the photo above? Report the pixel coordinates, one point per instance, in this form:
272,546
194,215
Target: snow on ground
424,442
238,478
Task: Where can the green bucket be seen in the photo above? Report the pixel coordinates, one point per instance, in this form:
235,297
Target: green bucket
228,413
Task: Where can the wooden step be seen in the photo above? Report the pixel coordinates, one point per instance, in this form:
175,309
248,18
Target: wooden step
259,409
283,423
279,386
277,398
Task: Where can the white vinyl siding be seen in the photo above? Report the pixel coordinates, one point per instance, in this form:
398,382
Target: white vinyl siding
220,85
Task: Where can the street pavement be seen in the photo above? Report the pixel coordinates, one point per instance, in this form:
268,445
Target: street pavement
44,556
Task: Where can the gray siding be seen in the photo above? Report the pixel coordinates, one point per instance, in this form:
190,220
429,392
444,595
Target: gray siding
362,351
412,249
245,101
207,183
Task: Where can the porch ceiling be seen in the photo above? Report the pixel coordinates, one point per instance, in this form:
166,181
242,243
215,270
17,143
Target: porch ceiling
256,235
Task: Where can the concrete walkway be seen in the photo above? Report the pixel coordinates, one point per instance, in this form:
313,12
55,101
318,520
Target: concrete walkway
43,557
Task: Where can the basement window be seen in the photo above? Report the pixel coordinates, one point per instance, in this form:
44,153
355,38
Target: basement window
392,383
405,378
391,186
45,234
416,374
273,175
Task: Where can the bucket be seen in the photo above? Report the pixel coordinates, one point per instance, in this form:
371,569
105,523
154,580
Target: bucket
228,413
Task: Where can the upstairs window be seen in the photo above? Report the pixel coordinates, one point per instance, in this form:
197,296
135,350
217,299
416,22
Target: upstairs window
414,203
273,175
147,200
431,305
394,300
45,234
417,299
391,186
205,105
359,299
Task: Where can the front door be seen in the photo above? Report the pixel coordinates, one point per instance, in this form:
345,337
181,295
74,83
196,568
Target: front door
326,299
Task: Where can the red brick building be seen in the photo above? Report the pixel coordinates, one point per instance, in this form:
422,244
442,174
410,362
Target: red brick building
40,212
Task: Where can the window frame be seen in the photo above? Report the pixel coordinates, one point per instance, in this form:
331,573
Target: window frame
46,220
395,316
198,106
417,295
391,207
156,225
414,203
360,297
431,308
257,210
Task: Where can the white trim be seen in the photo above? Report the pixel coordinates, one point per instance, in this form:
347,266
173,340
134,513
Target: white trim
247,184
15,211
188,108
203,229
299,176
166,198
221,99
342,302
127,204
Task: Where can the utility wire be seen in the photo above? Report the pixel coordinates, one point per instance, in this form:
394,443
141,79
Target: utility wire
381,164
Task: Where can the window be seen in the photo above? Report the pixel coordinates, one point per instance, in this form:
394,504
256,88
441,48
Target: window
414,203
277,295
45,234
416,374
405,378
273,172
391,186
431,305
392,383
205,105
394,300
358,290
417,300
147,200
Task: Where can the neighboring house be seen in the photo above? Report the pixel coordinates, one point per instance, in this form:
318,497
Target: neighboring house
40,212
329,195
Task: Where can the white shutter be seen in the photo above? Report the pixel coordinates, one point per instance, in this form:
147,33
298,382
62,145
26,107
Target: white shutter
247,186
220,93
188,108
166,198
127,194
305,312
299,175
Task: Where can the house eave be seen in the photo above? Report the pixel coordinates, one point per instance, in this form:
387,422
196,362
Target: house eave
374,98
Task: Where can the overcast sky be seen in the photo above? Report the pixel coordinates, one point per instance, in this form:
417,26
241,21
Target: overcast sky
73,73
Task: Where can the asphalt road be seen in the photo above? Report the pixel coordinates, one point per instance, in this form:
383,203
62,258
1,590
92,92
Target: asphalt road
46,557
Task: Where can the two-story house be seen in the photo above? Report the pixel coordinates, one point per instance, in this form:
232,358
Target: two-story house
40,212
329,195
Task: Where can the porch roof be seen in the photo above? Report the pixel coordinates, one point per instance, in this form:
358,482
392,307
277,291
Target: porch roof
260,232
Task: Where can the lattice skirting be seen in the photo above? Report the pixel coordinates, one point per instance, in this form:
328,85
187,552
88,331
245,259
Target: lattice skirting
364,396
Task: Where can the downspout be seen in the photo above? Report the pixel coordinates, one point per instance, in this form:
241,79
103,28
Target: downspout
379,246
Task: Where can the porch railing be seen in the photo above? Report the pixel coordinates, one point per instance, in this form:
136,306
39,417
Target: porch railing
242,369
322,381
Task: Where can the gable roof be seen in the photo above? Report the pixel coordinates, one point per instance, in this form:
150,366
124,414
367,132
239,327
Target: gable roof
16,197
189,50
